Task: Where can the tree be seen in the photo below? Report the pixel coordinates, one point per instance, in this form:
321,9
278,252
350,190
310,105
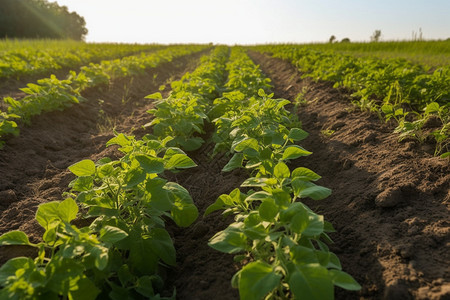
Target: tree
39,19
376,36
345,40
332,39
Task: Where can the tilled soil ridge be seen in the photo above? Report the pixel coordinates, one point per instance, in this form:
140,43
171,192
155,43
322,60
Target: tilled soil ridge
390,200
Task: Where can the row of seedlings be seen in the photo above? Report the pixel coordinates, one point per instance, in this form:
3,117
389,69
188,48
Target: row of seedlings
51,94
280,241
184,113
34,57
122,253
394,89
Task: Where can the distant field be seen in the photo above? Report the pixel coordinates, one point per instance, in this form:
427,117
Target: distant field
429,53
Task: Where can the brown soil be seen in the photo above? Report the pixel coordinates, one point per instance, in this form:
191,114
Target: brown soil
389,203
202,272
390,200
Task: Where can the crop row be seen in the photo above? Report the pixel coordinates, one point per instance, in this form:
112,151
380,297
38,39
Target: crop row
51,94
119,256
19,58
282,241
280,238
395,89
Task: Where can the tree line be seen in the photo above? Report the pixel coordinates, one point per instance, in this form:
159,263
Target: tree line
39,19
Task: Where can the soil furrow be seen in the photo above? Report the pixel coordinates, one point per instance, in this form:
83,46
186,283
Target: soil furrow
390,200
202,272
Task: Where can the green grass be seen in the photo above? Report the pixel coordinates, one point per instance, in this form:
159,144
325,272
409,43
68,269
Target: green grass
37,44
428,53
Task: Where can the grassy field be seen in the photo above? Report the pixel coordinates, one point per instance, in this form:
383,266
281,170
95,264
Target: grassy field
429,53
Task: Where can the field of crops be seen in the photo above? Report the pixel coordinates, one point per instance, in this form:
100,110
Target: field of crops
216,172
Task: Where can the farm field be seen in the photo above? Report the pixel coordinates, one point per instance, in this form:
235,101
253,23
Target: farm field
388,203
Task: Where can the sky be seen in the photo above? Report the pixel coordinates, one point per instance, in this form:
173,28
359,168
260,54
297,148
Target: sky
259,21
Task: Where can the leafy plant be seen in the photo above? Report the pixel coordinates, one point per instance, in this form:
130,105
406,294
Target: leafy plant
183,113
69,258
279,239
51,94
391,88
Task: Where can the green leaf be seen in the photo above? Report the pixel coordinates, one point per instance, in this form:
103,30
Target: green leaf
159,197
111,234
387,109
445,155
301,255
311,282
183,211
144,287
344,280
11,266
256,280
258,196
84,289
184,215
230,240
155,96
103,211
234,163
432,108
83,168
248,143
281,171
305,174
304,189
293,152
101,257
160,242
171,152
105,170
268,210
217,205
315,192
190,144
315,225
282,198
47,214
134,176
328,259
141,258
121,140
14,238
299,221
180,161
67,210
125,275
297,134
150,164
261,93
82,183
258,181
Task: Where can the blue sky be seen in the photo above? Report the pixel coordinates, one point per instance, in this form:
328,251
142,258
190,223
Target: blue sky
259,21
